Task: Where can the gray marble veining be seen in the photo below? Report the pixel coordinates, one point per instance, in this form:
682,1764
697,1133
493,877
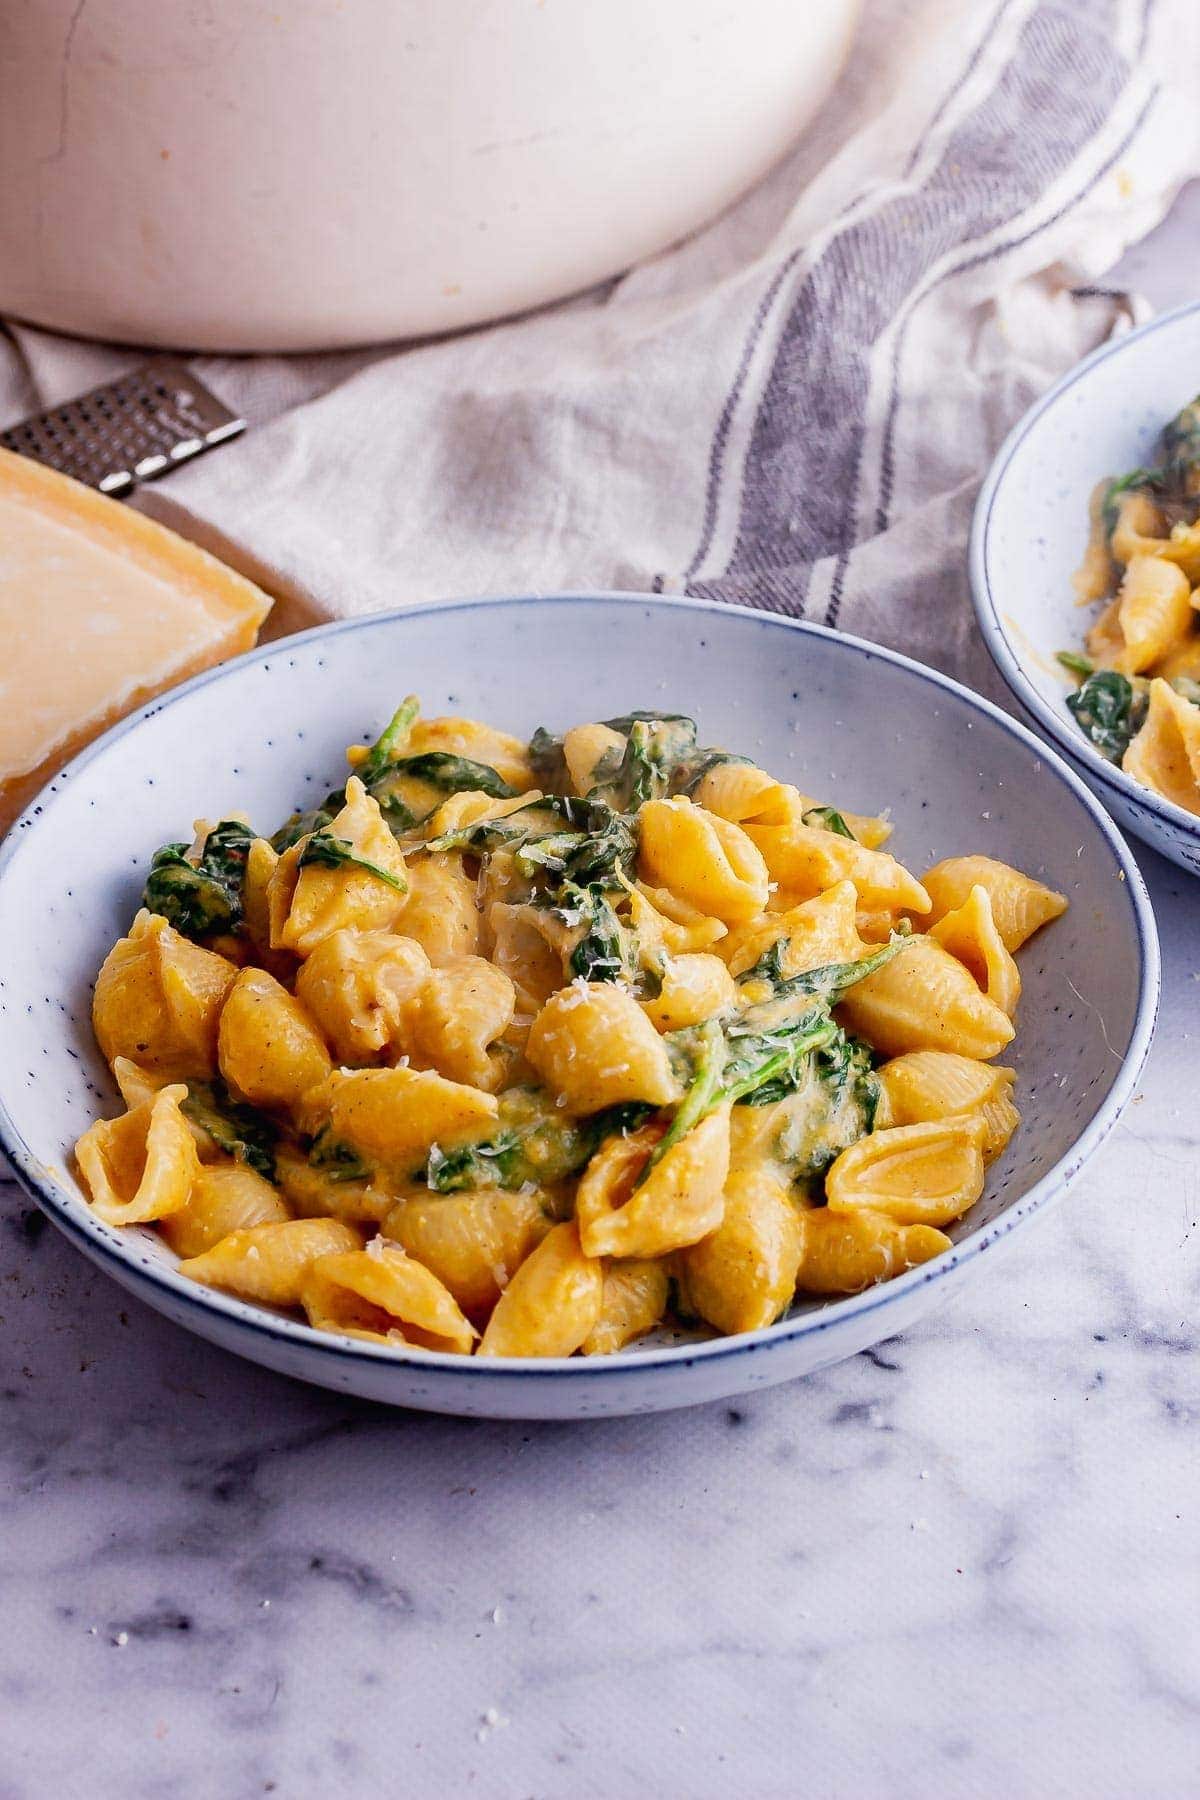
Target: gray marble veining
964,1564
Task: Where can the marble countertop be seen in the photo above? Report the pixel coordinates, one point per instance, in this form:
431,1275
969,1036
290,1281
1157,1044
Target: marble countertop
964,1564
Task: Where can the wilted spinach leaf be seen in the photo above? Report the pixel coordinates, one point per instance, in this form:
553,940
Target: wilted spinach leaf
201,899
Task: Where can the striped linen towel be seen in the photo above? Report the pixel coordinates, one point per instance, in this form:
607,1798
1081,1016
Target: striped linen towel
791,410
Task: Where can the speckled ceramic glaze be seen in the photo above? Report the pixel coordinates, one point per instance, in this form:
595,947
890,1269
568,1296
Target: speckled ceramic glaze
1031,527
840,718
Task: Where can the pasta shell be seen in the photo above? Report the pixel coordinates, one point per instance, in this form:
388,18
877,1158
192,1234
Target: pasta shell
1154,610
269,1262
499,750
743,1275
1183,548
1105,641
321,900
871,829
693,988
269,1050
1140,530
381,1290
927,1085
471,808
135,1083
917,1174
523,949
1165,754
261,863
970,933
587,749
224,1197
314,1193
595,1047
847,1252
1020,905
393,1117
754,1133
359,986
460,1012
874,925
1183,660
1094,577
141,1166
708,861
743,794
807,859
473,1242
924,999
817,931
553,1302
679,1202
633,1300
158,1000
440,913
663,925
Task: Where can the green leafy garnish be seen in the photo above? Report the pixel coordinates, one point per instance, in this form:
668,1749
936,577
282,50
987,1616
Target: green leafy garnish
604,949
547,761
1181,438
337,1160
534,1143
690,771
1169,480
769,966
654,743
400,785
830,979
398,789
676,728
832,1105
325,851
1077,664
454,774
302,824
391,740
1137,481
201,899
828,818
762,1053
240,1131
598,848
1109,710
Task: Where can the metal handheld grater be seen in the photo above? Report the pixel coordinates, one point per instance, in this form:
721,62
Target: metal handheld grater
130,430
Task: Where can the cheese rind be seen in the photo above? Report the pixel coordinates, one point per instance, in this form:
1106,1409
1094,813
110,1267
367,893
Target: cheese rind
100,610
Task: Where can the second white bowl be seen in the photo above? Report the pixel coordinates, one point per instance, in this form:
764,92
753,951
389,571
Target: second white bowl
1031,526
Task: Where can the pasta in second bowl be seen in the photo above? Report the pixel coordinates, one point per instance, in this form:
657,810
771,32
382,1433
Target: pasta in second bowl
1083,530
601,1042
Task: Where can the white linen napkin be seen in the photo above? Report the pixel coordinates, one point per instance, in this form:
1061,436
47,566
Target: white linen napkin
791,410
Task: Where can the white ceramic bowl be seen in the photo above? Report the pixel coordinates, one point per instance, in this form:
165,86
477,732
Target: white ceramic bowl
1031,526
242,175
840,717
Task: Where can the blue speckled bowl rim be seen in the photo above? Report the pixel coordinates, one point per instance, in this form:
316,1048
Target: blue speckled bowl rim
104,1244
987,610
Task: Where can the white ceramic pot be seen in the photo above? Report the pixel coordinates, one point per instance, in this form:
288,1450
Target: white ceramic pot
296,174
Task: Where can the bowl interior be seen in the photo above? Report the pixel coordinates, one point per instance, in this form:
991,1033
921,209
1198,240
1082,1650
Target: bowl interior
1103,419
844,722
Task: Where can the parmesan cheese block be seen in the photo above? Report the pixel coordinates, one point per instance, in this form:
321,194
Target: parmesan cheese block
100,610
